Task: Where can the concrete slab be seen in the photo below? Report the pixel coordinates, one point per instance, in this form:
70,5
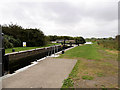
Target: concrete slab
49,73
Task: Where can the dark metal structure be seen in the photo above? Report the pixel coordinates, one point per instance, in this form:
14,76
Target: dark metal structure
14,61
1,51
4,62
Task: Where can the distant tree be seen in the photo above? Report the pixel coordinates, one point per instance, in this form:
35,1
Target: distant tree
55,37
110,38
80,40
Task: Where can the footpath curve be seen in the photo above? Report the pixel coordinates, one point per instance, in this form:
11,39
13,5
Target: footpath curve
48,73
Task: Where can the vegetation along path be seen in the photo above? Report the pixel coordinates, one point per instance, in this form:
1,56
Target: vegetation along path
95,68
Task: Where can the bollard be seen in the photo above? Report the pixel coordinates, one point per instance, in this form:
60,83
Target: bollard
13,50
63,51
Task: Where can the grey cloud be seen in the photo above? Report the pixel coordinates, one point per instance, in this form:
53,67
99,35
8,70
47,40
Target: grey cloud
63,15
67,12
105,11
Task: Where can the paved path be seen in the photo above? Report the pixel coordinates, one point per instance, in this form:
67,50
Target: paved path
48,73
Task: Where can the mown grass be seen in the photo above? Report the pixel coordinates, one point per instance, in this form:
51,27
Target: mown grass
85,51
91,64
17,49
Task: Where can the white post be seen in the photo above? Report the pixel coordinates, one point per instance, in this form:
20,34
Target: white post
24,44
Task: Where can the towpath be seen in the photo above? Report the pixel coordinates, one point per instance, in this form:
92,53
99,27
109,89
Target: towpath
48,73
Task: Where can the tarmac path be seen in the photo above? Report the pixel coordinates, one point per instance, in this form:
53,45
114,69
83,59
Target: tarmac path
48,73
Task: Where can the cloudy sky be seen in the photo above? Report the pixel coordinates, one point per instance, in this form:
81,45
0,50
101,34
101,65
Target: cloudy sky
87,18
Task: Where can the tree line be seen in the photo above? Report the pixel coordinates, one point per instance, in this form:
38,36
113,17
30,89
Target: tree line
79,40
14,35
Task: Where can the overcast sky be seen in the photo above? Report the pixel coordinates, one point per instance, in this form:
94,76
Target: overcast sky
87,18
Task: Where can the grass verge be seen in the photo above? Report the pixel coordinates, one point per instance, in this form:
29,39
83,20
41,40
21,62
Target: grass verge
85,51
9,50
68,83
94,67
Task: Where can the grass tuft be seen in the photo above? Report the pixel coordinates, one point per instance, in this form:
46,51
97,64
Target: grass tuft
100,74
87,77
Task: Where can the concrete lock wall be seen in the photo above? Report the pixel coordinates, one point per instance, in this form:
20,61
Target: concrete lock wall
21,59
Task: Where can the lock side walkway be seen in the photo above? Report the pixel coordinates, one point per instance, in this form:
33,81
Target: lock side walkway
48,73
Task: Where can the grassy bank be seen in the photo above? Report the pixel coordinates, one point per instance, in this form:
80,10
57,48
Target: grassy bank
9,50
95,68
86,51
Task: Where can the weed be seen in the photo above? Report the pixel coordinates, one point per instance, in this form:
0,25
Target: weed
100,74
85,72
87,77
68,83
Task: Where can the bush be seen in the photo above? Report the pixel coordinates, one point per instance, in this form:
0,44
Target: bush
111,44
10,42
7,44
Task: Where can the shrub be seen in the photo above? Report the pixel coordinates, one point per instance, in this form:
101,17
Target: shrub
7,44
10,42
111,44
